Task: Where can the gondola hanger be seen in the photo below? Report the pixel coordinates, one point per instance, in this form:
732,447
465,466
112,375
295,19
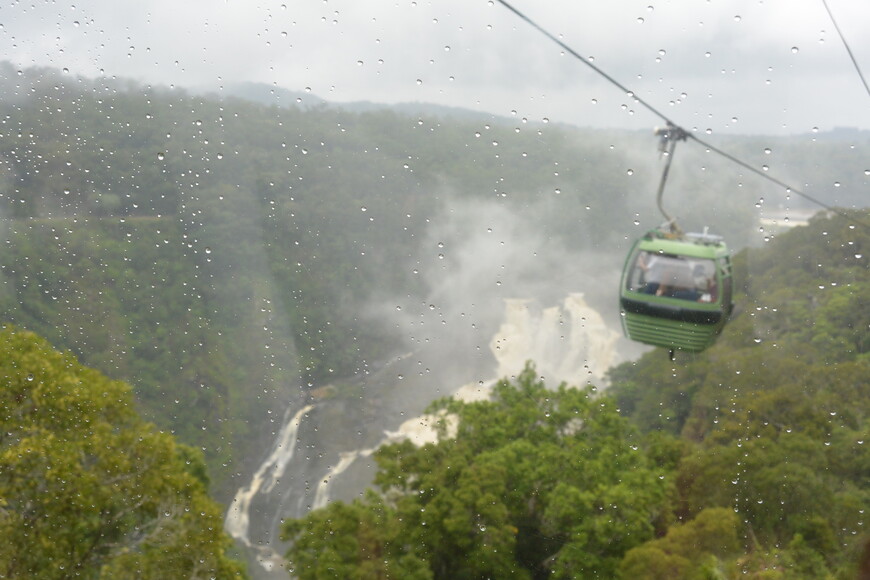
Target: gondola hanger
668,137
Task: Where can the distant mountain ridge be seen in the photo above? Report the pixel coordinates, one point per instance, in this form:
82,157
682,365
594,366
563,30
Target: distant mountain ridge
267,94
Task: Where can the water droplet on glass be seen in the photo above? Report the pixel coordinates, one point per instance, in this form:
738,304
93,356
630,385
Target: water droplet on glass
161,156
795,50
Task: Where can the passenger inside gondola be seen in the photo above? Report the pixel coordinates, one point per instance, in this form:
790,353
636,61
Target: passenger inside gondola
671,276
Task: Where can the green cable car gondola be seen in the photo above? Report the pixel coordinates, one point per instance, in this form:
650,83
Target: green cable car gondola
676,290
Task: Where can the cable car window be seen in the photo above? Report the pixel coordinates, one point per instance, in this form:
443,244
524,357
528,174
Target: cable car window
692,279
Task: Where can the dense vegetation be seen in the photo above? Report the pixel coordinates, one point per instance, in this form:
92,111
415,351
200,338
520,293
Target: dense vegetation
749,460
221,256
775,416
89,490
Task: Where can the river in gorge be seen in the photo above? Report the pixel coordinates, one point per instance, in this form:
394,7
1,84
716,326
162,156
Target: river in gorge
323,451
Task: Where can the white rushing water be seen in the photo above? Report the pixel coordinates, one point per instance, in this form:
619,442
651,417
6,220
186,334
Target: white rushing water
567,342
238,519
321,496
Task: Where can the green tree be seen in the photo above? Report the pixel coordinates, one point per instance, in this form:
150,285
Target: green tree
534,483
88,489
362,540
688,550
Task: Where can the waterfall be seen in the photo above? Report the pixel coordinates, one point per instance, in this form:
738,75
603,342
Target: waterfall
321,496
567,342
238,518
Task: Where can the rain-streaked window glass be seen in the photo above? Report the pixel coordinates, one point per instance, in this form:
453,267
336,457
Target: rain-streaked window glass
417,289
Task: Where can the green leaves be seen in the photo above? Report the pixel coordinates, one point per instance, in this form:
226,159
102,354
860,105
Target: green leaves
774,417
535,482
693,550
361,540
88,488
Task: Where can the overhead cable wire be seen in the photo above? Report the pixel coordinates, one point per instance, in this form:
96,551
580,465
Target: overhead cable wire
667,120
846,44
587,62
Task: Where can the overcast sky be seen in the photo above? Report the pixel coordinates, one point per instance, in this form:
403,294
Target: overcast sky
745,66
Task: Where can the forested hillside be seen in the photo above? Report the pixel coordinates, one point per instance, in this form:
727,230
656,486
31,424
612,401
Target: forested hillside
225,256
748,460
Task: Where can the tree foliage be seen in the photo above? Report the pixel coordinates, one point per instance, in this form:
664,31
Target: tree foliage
776,413
219,255
534,483
693,550
167,239
751,460
87,489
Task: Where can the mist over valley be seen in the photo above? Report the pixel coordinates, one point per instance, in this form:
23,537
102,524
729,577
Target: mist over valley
289,286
